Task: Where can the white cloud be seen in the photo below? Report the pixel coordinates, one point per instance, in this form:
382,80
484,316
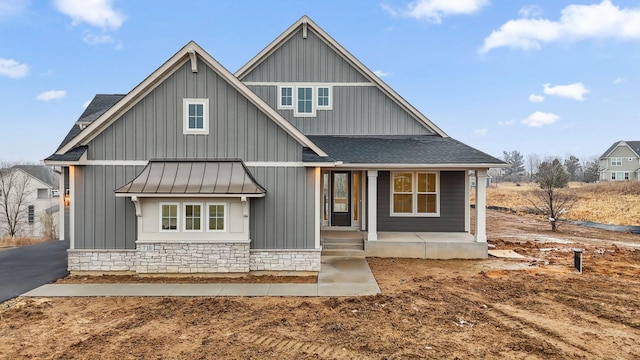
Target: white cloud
536,98
381,73
597,21
51,95
93,39
480,132
434,10
507,123
539,119
575,91
12,7
99,13
13,69
530,11
619,80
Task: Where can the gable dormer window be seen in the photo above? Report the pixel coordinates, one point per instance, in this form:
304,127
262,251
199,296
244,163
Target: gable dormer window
196,116
304,101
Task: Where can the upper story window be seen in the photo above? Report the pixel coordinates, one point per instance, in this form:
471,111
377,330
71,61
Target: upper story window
414,194
305,99
616,161
304,102
196,116
286,97
324,97
43,193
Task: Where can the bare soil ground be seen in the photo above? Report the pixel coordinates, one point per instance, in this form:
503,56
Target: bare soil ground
537,308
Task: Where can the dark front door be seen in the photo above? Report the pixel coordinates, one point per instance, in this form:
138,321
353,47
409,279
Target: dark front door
341,198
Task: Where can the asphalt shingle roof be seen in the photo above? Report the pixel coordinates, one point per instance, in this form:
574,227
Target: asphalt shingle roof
42,173
397,149
635,145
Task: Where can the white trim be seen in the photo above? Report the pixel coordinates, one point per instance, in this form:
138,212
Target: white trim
146,162
372,223
296,113
418,166
177,205
162,73
184,216
225,219
342,52
481,206
315,84
414,195
186,130
72,207
285,107
329,105
275,164
61,196
467,202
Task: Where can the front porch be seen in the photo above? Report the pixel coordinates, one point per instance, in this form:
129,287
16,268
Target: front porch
417,245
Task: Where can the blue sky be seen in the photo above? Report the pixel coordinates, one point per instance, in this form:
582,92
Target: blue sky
547,77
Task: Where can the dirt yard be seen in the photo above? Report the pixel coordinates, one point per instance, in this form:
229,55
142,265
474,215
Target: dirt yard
532,308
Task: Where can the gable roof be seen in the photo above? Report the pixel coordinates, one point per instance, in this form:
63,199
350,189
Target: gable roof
103,119
42,173
305,21
401,150
633,145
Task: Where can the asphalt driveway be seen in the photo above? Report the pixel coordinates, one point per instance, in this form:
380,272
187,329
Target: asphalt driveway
27,267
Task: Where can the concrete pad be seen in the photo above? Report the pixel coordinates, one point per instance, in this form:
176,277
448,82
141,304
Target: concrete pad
395,249
197,289
348,289
244,290
346,276
293,290
506,254
456,250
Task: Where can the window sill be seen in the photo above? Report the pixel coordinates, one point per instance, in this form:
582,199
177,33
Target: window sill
180,241
430,215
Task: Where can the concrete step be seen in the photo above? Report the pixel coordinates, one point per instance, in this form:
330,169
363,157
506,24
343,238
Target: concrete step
343,247
338,252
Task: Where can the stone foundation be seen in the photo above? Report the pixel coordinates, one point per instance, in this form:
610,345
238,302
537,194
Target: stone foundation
285,260
101,260
192,258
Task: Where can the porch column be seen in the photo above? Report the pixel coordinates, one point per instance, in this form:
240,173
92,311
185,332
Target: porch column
72,206
481,205
372,204
318,204
61,196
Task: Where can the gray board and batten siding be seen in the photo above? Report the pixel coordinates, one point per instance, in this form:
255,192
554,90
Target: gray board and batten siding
152,129
355,109
452,206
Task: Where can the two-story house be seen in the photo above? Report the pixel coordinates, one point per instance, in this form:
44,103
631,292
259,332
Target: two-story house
621,161
200,170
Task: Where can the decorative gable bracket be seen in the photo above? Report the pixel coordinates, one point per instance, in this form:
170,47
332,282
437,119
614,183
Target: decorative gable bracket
194,60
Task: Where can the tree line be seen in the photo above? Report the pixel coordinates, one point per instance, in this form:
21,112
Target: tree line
525,169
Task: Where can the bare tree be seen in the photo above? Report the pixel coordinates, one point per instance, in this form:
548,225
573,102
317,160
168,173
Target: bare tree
533,162
553,198
14,194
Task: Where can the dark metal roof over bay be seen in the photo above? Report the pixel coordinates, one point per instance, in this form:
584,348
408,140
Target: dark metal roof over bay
219,177
399,149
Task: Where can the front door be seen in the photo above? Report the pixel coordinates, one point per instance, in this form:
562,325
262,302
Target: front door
340,198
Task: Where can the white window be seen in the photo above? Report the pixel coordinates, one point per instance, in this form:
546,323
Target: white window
324,97
43,193
169,217
619,175
304,102
286,97
216,217
629,159
192,217
196,116
616,161
415,194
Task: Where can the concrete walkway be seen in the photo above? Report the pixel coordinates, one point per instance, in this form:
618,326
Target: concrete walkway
339,276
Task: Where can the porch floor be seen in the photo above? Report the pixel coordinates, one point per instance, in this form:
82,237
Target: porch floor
420,245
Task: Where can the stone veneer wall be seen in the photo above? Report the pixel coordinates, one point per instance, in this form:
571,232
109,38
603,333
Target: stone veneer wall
102,260
193,257
285,260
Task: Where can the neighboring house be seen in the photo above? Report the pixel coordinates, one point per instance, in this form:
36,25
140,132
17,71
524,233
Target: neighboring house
29,198
621,161
199,170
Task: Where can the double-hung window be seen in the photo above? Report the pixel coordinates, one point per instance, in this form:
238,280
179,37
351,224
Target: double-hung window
616,161
304,101
414,194
192,217
169,217
216,217
196,116
324,97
